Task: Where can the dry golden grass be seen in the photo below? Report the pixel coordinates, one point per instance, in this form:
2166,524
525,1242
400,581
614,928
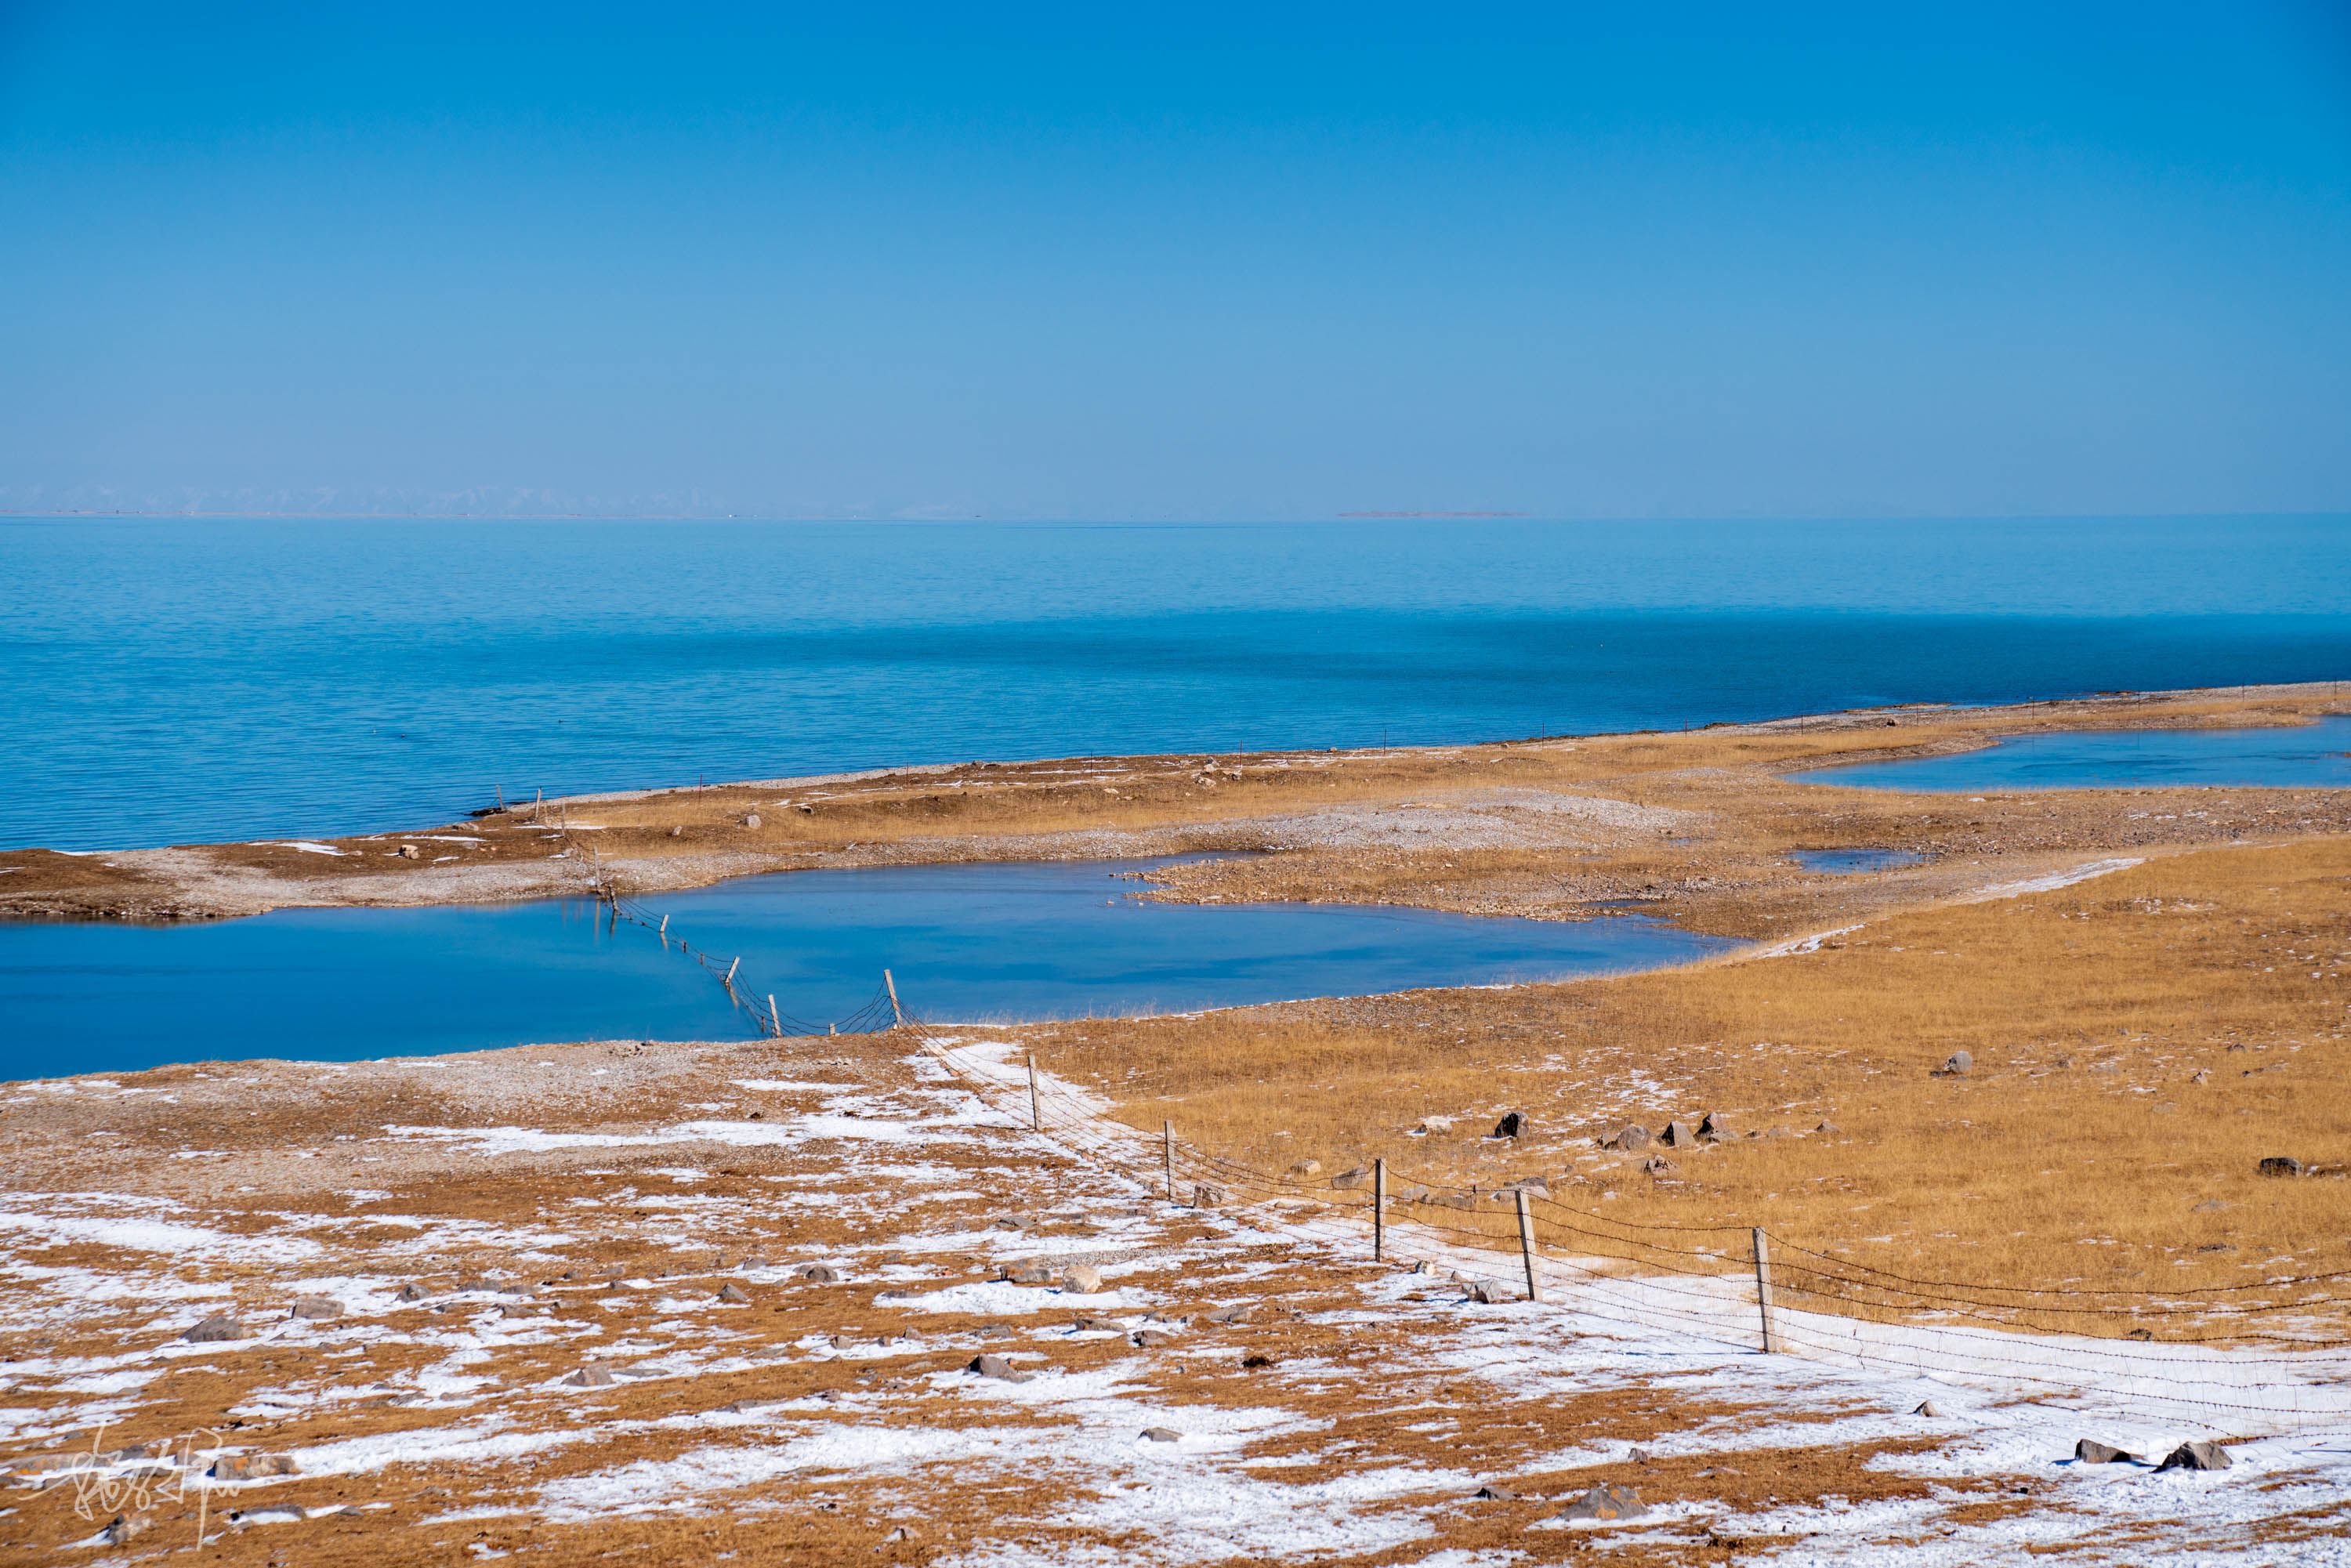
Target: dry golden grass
2082,1151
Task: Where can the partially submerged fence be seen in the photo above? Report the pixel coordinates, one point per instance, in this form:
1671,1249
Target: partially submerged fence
2272,1349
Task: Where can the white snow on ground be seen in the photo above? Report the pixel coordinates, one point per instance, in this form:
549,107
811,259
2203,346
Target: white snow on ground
309,848
2055,879
493,1141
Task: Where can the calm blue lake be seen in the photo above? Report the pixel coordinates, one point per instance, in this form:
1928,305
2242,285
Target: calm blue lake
182,680
1852,863
967,942
2309,758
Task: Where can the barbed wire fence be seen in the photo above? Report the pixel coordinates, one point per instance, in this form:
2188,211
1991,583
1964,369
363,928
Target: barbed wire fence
2272,1349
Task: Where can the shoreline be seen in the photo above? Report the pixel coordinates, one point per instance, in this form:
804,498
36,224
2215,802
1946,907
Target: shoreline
1692,823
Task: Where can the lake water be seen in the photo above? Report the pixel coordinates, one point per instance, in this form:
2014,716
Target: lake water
2310,757
185,680
965,942
1850,863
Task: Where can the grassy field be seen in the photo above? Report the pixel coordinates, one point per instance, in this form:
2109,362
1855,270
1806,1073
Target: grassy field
2140,1042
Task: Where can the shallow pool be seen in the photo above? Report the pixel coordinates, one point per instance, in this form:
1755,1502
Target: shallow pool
2311,757
1848,863
965,942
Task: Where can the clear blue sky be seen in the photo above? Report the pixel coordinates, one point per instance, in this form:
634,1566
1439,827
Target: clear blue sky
1178,262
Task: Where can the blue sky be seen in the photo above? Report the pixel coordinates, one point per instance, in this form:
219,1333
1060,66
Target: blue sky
1212,263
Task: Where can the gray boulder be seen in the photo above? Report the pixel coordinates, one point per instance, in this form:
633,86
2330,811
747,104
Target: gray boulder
2089,1451
1208,1195
1348,1180
317,1308
731,1291
818,1274
592,1376
1678,1135
1955,1065
1604,1504
2282,1165
1162,1435
1711,1127
215,1329
2196,1457
1492,1493
412,1291
995,1366
1631,1139
1234,1314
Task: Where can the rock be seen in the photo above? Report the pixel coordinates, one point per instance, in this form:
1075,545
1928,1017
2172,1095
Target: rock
1255,1362
126,1527
409,853
2196,1457
1777,1133
1451,1201
317,1308
592,1376
677,832
1306,1168
1483,1293
1925,1407
1083,1279
2201,1076
818,1274
215,1329
994,1331
252,1466
995,1366
757,1262
1605,1502
1208,1194
2090,1452
1162,1435
1348,1180
1713,1127
2282,1165
1637,1455
1533,1187
1515,1124
1631,1139
1955,1065
1831,1128
1028,1274
1153,1339
731,1291
412,1291
1678,1135
1008,1222
751,820
1657,1165
1414,1193
1234,1314
2210,1206
1435,1127
1492,1493
1096,1325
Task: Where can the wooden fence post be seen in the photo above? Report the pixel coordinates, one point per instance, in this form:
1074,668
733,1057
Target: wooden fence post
775,1015
1167,1155
896,1016
1036,1119
1527,1246
1763,1292
1379,1210
730,973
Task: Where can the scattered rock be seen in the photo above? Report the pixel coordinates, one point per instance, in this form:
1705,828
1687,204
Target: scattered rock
677,832
2282,1165
1347,1180
2196,1457
1657,1165
1208,1194
1414,1193
126,1527
1712,1126
1028,1274
1638,1454
1605,1502
1631,1139
409,853
2091,1452
1831,1128
751,820
1450,1200
1082,1279
1955,1065
317,1308
1303,1168
1533,1187
1153,1339
1006,1222
1162,1435
757,1262
1234,1314
818,1274
1435,1127
1925,1407
1252,1363
1678,1135
412,1291
2201,1076
731,1291
1492,1493
1515,1125
994,1331
1084,1324
592,1376
215,1329
252,1466
1777,1133
995,1366
1483,1293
